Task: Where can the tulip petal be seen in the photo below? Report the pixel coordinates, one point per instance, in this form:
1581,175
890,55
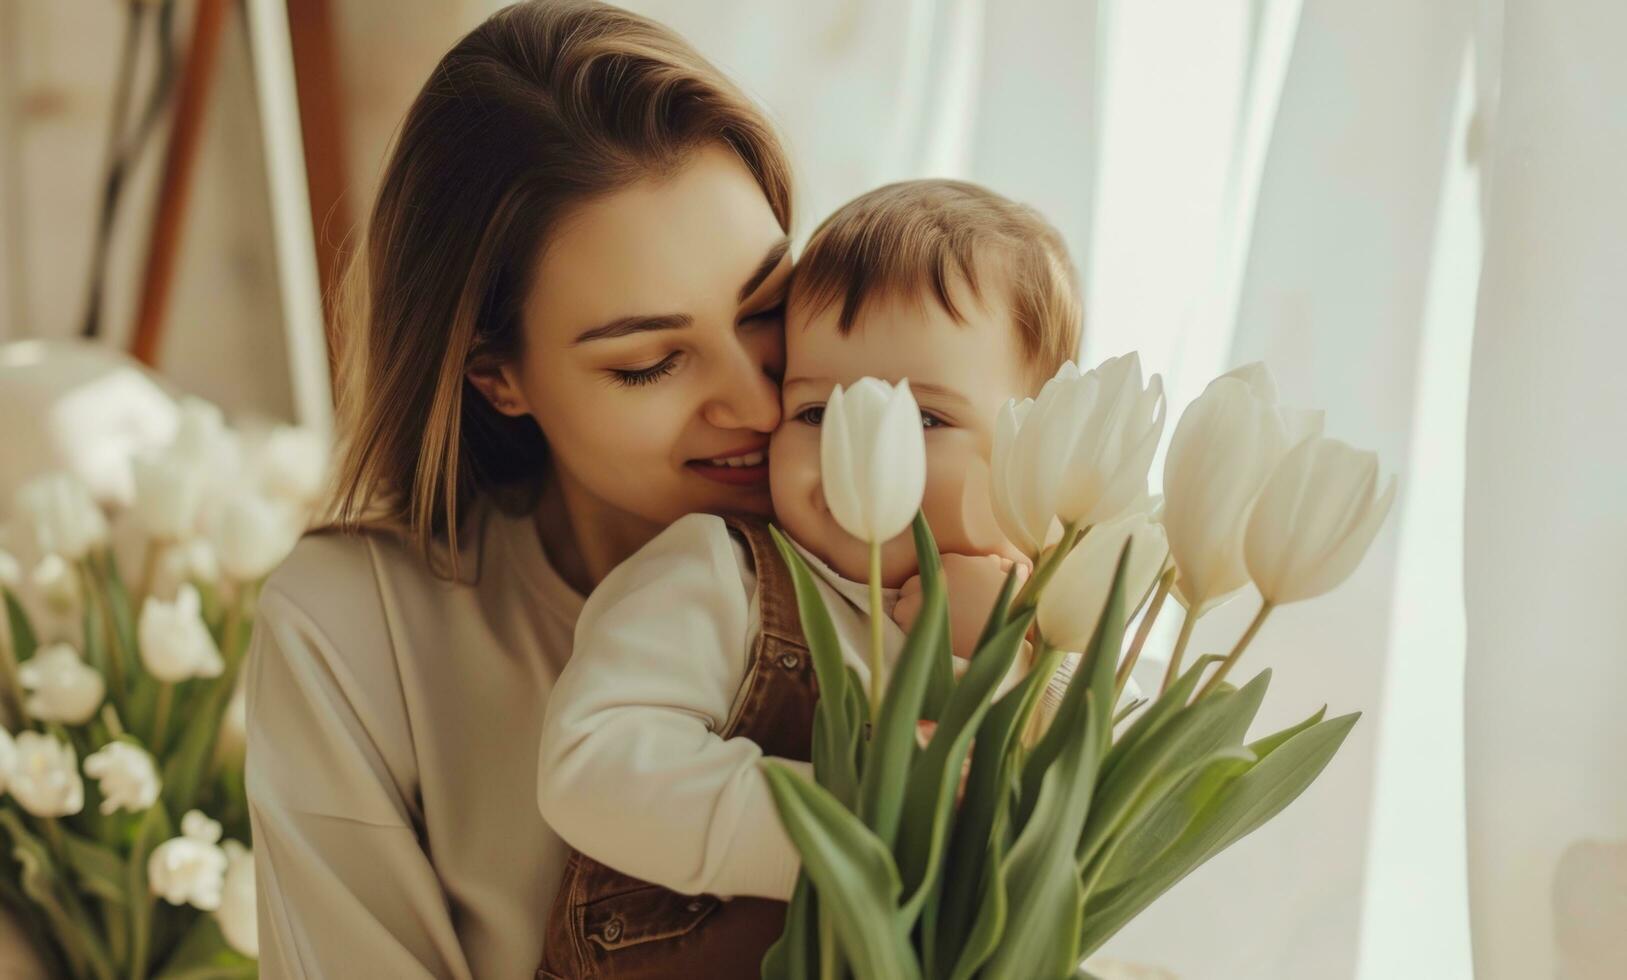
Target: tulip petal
836,466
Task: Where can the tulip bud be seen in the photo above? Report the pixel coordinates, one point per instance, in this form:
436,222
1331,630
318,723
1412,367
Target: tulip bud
62,687
58,583
1072,604
65,519
252,535
45,776
175,643
169,494
1314,520
873,459
1079,453
236,914
126,775
293,463
190,869
1227,443
11,573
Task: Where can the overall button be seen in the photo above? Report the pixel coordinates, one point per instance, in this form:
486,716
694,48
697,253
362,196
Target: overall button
694,906
790,661
612,930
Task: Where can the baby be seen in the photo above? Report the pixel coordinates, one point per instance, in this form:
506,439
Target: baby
689,665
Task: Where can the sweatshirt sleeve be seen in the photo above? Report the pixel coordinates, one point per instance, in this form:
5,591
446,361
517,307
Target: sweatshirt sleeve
632,770
344,886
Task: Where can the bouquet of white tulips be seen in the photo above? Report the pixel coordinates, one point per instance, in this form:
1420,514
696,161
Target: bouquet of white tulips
121,756
1007,847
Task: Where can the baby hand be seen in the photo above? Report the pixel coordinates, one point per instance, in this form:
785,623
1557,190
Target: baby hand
973,583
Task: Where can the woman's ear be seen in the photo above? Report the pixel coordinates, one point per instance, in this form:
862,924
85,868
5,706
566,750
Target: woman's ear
500,387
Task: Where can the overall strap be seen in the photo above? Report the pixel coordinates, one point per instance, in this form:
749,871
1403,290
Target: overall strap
776,593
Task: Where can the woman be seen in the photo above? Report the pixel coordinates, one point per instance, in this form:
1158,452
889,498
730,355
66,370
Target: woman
564,335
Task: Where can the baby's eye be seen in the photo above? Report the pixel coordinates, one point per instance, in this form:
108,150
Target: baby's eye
930,421
812,415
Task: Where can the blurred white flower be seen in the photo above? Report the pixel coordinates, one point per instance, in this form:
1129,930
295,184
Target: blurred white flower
62,687
66,520
188,561
8,758
1314,520
174,640
293,463
201,434
872,454
126,775
45,776
58,583
190,869
252,534
1072,604
169,493
1078,453
236,914
11,573
1227,443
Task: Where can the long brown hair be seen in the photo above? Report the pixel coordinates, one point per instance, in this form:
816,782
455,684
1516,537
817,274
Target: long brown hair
546,105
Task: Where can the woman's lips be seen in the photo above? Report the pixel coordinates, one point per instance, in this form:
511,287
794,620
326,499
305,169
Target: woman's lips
742,468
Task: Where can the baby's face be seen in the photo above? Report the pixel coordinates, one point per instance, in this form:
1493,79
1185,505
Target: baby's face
960,373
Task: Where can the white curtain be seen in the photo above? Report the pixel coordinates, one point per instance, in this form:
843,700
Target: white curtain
1307,182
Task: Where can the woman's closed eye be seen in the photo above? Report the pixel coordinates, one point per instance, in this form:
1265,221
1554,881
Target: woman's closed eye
635,377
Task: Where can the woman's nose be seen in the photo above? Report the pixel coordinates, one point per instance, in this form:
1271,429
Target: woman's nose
748,398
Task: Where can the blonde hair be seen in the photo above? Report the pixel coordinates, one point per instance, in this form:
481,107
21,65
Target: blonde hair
916,237
543,107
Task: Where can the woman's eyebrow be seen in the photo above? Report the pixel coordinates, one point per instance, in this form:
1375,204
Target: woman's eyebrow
623,326
771,261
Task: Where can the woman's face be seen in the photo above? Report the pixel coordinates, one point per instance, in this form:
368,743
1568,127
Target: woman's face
654,341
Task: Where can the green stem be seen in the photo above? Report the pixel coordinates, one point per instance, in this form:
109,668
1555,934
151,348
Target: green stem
1029,595
115,658
876,658
1165,583
1174,670
166,693
1237,651
14,686
829,969
149,571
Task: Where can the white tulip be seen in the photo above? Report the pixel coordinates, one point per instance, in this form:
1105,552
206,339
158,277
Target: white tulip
126,775
169,494
58,583
1314,520
1072,604
236,914
11,573
62,687
1077,454
293,463
8,758
66,520
45,776
872,453
190,869
1226,445
189,561
175,643
252,535
1299,423
201,434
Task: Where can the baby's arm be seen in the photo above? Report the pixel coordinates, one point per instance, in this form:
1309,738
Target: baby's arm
632,770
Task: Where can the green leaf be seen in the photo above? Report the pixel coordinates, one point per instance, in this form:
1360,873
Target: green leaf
795,955
983,819
1270,743
933,780
892,741
1243,805
1161,760
836,727
43,884
1047,898
1170,816
188,762
23,639
99,870
941,682
971,951
1156,716
204,955
1096,674
852,873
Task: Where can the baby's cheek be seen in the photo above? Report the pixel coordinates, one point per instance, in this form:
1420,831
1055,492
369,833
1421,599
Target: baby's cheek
958,501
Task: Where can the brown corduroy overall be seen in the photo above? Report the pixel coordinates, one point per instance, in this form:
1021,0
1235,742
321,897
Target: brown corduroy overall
604,924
